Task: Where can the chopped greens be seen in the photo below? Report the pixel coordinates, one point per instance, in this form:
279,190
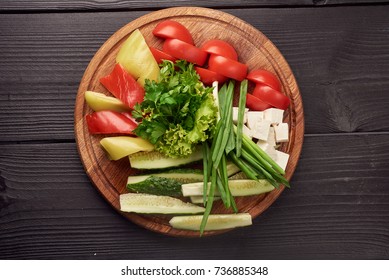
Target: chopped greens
178,112
243,152
242,107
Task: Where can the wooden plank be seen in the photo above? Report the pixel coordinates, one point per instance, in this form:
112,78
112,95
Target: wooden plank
88,5
337,208
341,65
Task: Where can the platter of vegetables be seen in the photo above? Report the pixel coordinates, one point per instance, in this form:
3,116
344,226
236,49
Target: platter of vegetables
189,122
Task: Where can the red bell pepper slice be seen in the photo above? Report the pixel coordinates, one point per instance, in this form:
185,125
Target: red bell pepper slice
110,122
123,86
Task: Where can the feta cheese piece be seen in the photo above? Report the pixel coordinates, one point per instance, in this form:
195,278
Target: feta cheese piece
274,115
267,148
261,130
253,117
271,139
262,144
247,131
235,112
282,132
282,159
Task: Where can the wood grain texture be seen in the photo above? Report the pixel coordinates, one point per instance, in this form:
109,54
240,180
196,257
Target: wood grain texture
89,5
337,208
341,65
255,50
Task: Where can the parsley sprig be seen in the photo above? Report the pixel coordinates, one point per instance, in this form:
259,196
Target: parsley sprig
172,115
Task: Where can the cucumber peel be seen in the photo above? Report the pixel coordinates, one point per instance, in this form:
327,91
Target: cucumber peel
156,160
156,185
165,183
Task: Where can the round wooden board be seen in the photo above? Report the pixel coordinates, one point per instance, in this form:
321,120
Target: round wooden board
254,49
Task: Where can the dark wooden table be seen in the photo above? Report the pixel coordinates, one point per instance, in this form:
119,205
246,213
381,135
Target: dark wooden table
338,207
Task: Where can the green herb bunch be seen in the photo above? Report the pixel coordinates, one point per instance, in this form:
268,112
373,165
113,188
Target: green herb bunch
178,111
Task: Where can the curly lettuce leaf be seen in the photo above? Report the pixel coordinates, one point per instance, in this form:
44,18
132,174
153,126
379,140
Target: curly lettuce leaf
178,112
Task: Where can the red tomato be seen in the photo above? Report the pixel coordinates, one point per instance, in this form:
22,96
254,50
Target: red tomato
227,67
208,76
271,96
264,77
170,29
183,50
220,47
123,86
110,122
256,104
160,55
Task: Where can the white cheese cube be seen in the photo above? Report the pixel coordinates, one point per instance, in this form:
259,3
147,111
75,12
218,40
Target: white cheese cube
235,112
261,130
282,159
253,117
272,152
262,144
274,115
271,139
267,148
247,131
281,132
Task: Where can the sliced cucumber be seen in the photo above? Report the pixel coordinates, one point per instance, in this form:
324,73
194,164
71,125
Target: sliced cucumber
156,160
237,188
238,176
156,185
215,221
166,183
155,204
182,175
232,168
199,199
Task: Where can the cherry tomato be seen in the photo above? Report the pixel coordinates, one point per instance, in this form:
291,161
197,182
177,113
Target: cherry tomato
110,122
170,29
183,50
262,76
208,76
271,96
256,104
227,67
123,86
220,47
160,55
